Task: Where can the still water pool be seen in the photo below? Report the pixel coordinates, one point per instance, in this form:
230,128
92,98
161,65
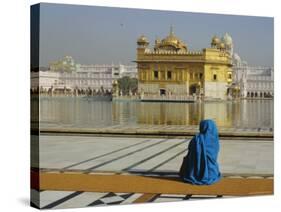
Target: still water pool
80,112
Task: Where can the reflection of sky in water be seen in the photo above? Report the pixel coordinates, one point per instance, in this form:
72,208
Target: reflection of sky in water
79,112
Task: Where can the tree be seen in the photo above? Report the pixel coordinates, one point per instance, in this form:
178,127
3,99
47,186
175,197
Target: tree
127,84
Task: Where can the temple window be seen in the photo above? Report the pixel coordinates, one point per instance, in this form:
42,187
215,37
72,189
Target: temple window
214,77
156,75
201,76
169,75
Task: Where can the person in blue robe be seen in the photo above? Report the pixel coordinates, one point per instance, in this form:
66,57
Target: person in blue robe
200,166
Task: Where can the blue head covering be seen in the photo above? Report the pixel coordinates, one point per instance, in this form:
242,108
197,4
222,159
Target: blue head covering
200,165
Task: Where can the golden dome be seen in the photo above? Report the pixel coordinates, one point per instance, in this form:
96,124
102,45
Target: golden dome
171,42
215,41
221,46
171,39
142,40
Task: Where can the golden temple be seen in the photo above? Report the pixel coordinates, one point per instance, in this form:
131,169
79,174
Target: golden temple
170,69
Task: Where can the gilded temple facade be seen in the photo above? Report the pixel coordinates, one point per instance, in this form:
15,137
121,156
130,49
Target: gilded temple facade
170,69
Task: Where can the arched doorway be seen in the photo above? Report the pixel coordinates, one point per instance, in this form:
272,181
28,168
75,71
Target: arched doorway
162,92
252,94
192,90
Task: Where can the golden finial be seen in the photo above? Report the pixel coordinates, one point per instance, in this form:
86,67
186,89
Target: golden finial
171,30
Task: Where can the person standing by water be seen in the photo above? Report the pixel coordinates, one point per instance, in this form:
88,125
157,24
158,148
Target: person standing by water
200,166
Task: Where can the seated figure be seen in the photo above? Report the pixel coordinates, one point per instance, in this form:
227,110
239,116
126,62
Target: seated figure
200,166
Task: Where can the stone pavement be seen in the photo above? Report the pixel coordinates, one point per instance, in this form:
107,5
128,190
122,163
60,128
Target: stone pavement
148,155
144,157
75,199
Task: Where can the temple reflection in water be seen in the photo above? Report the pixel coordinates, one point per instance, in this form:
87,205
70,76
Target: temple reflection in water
81,113
180,114
240,114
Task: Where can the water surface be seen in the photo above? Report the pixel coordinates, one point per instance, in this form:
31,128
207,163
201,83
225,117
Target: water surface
80,112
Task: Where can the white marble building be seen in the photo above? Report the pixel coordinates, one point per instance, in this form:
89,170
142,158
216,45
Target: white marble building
91,76
82,77
253,81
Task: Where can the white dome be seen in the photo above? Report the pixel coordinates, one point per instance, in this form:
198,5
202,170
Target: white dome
227,39
236,57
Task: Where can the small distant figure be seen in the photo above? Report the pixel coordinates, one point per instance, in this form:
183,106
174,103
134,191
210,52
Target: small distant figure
200,166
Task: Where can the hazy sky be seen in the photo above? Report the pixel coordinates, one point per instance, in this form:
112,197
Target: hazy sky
104,35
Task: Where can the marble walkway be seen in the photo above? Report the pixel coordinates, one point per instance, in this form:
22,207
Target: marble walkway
154,157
